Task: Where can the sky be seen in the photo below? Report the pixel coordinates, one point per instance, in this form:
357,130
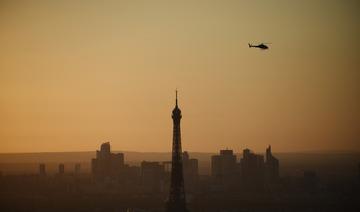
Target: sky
75,74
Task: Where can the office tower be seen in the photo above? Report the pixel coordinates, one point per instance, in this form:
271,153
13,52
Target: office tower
271,166
42,169
107,164
252,170
176,201
152,176
191,172
223,166
61,168
190,166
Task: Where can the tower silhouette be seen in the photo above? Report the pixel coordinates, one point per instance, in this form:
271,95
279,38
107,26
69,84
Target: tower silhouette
176,202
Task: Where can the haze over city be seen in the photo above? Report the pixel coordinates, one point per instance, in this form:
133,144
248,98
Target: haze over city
74,74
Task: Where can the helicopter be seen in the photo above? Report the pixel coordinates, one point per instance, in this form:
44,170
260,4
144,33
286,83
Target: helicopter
261,46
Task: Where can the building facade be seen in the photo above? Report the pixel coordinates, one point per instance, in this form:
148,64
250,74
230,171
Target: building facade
252,170
107,164
271,166
191,172
152,177
223,166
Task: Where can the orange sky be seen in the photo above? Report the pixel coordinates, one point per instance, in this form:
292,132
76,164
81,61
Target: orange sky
74,74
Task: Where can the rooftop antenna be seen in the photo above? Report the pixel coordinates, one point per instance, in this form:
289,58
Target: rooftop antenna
176,94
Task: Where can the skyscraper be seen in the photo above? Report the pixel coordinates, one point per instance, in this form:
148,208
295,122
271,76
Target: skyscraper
190,171
271,166
223,166
106,164
252,170
152,176
177,201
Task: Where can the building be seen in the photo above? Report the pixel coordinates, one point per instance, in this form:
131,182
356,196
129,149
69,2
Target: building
177,200
252,170
130,175
107,164
152,176
191,171
271,166
42,169
167,166
223,166
61,169
77,168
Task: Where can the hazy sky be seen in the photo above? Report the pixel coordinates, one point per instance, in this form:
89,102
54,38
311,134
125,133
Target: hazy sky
74,74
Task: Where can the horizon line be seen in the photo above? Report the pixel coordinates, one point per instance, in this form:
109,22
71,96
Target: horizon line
205,152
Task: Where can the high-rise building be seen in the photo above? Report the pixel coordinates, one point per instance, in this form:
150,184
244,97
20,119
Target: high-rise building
223,166
42,169
152,176
191,171
107,164
61,169
252,169
271,166
176,201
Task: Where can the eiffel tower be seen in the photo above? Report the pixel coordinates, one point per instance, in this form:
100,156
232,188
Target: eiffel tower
177,201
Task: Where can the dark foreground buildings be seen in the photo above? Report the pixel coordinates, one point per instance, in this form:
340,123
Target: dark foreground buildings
144,188
176,201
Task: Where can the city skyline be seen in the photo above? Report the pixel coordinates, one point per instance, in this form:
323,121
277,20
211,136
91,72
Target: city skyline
76,74
180,106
